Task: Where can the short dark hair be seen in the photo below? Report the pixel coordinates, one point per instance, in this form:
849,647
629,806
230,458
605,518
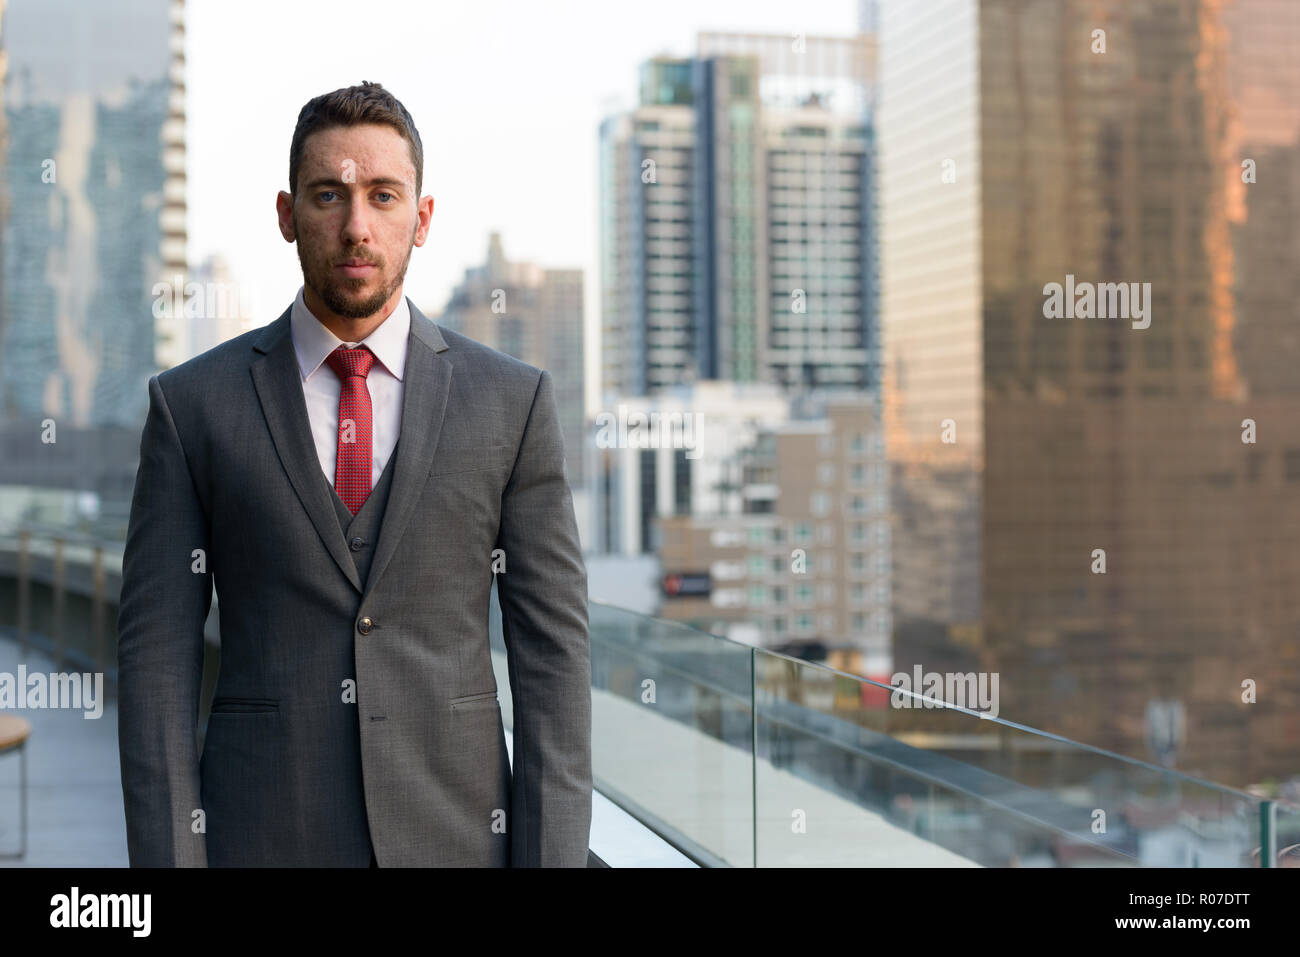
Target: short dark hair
351,106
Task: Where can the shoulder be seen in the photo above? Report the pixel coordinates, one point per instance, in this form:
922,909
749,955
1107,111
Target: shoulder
498,369
215,368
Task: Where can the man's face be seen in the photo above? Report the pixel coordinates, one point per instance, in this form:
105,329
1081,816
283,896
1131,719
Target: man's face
355,218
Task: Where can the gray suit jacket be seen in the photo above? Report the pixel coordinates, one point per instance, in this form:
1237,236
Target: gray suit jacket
294,771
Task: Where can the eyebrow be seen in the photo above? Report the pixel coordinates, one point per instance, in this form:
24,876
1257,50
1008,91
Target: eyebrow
377,181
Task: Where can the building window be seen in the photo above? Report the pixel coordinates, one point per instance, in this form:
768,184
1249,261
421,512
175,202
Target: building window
857,505
778,625
757,596
859,622
826,444
757,566
826,534
778,594
803,532
858,444
821,503
757,535
682,483
804,623
859,532
858,475
728,597
1291,465
804,594
858,591
1254,465
859,561
826,473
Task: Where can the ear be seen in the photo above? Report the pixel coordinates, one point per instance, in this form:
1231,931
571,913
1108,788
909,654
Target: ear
284,216
424,213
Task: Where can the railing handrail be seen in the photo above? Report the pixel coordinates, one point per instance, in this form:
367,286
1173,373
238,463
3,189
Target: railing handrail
1037,732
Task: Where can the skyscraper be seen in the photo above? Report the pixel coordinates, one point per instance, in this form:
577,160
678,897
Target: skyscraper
1100,497
737,237
91,218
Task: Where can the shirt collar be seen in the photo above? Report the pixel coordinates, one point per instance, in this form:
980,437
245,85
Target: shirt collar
312,342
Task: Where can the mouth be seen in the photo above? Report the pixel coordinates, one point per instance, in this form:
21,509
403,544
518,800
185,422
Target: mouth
353,268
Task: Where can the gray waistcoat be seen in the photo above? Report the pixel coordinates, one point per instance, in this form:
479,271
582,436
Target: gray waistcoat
364,526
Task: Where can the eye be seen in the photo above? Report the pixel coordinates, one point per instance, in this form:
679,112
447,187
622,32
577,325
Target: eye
389,195
325,193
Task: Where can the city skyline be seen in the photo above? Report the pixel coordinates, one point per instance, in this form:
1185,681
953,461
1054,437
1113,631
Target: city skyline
520,158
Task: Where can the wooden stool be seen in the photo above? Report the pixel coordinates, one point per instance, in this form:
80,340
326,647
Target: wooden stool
13,737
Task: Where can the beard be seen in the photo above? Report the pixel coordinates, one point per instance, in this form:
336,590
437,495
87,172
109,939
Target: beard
339,292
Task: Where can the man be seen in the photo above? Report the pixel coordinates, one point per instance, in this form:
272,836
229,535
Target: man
351,478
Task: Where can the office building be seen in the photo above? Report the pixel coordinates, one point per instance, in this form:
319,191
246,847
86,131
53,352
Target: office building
1094,514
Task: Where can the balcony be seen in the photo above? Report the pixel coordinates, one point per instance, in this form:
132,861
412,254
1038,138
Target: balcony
705,752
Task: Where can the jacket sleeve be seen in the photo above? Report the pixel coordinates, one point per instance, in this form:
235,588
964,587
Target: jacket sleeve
543,597
166,595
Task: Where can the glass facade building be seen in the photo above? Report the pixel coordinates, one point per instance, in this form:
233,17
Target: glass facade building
1102,510
92,217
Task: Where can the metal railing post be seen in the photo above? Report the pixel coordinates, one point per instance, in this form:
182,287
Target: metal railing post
1267,834
97,608
60,570
753,756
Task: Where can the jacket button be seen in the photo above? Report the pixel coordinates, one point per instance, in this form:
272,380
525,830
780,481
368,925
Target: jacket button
364,626
357,544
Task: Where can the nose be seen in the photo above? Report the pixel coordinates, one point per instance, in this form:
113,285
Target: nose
356,228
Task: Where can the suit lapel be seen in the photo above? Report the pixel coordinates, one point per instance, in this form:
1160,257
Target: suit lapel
279,388
427,381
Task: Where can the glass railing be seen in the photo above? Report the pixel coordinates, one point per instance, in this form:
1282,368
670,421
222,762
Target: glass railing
744,757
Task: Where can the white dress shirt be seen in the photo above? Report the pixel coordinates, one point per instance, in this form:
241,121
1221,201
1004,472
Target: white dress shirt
321,386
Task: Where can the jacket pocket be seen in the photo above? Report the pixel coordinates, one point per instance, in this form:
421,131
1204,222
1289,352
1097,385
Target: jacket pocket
244,705
487,699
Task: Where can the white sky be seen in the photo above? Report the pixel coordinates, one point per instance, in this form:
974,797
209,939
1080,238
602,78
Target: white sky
507,96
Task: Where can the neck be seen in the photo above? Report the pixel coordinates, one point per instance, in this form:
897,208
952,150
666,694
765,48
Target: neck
344,328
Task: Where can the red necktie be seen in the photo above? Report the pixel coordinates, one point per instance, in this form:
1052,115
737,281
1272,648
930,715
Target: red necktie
352,471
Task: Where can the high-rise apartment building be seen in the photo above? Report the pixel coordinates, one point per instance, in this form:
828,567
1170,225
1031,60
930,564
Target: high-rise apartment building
802,558
737,218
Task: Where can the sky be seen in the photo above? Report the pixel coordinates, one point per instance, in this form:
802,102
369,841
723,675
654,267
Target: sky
507,95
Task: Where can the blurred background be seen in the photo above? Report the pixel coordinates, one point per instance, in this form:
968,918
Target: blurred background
791,269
